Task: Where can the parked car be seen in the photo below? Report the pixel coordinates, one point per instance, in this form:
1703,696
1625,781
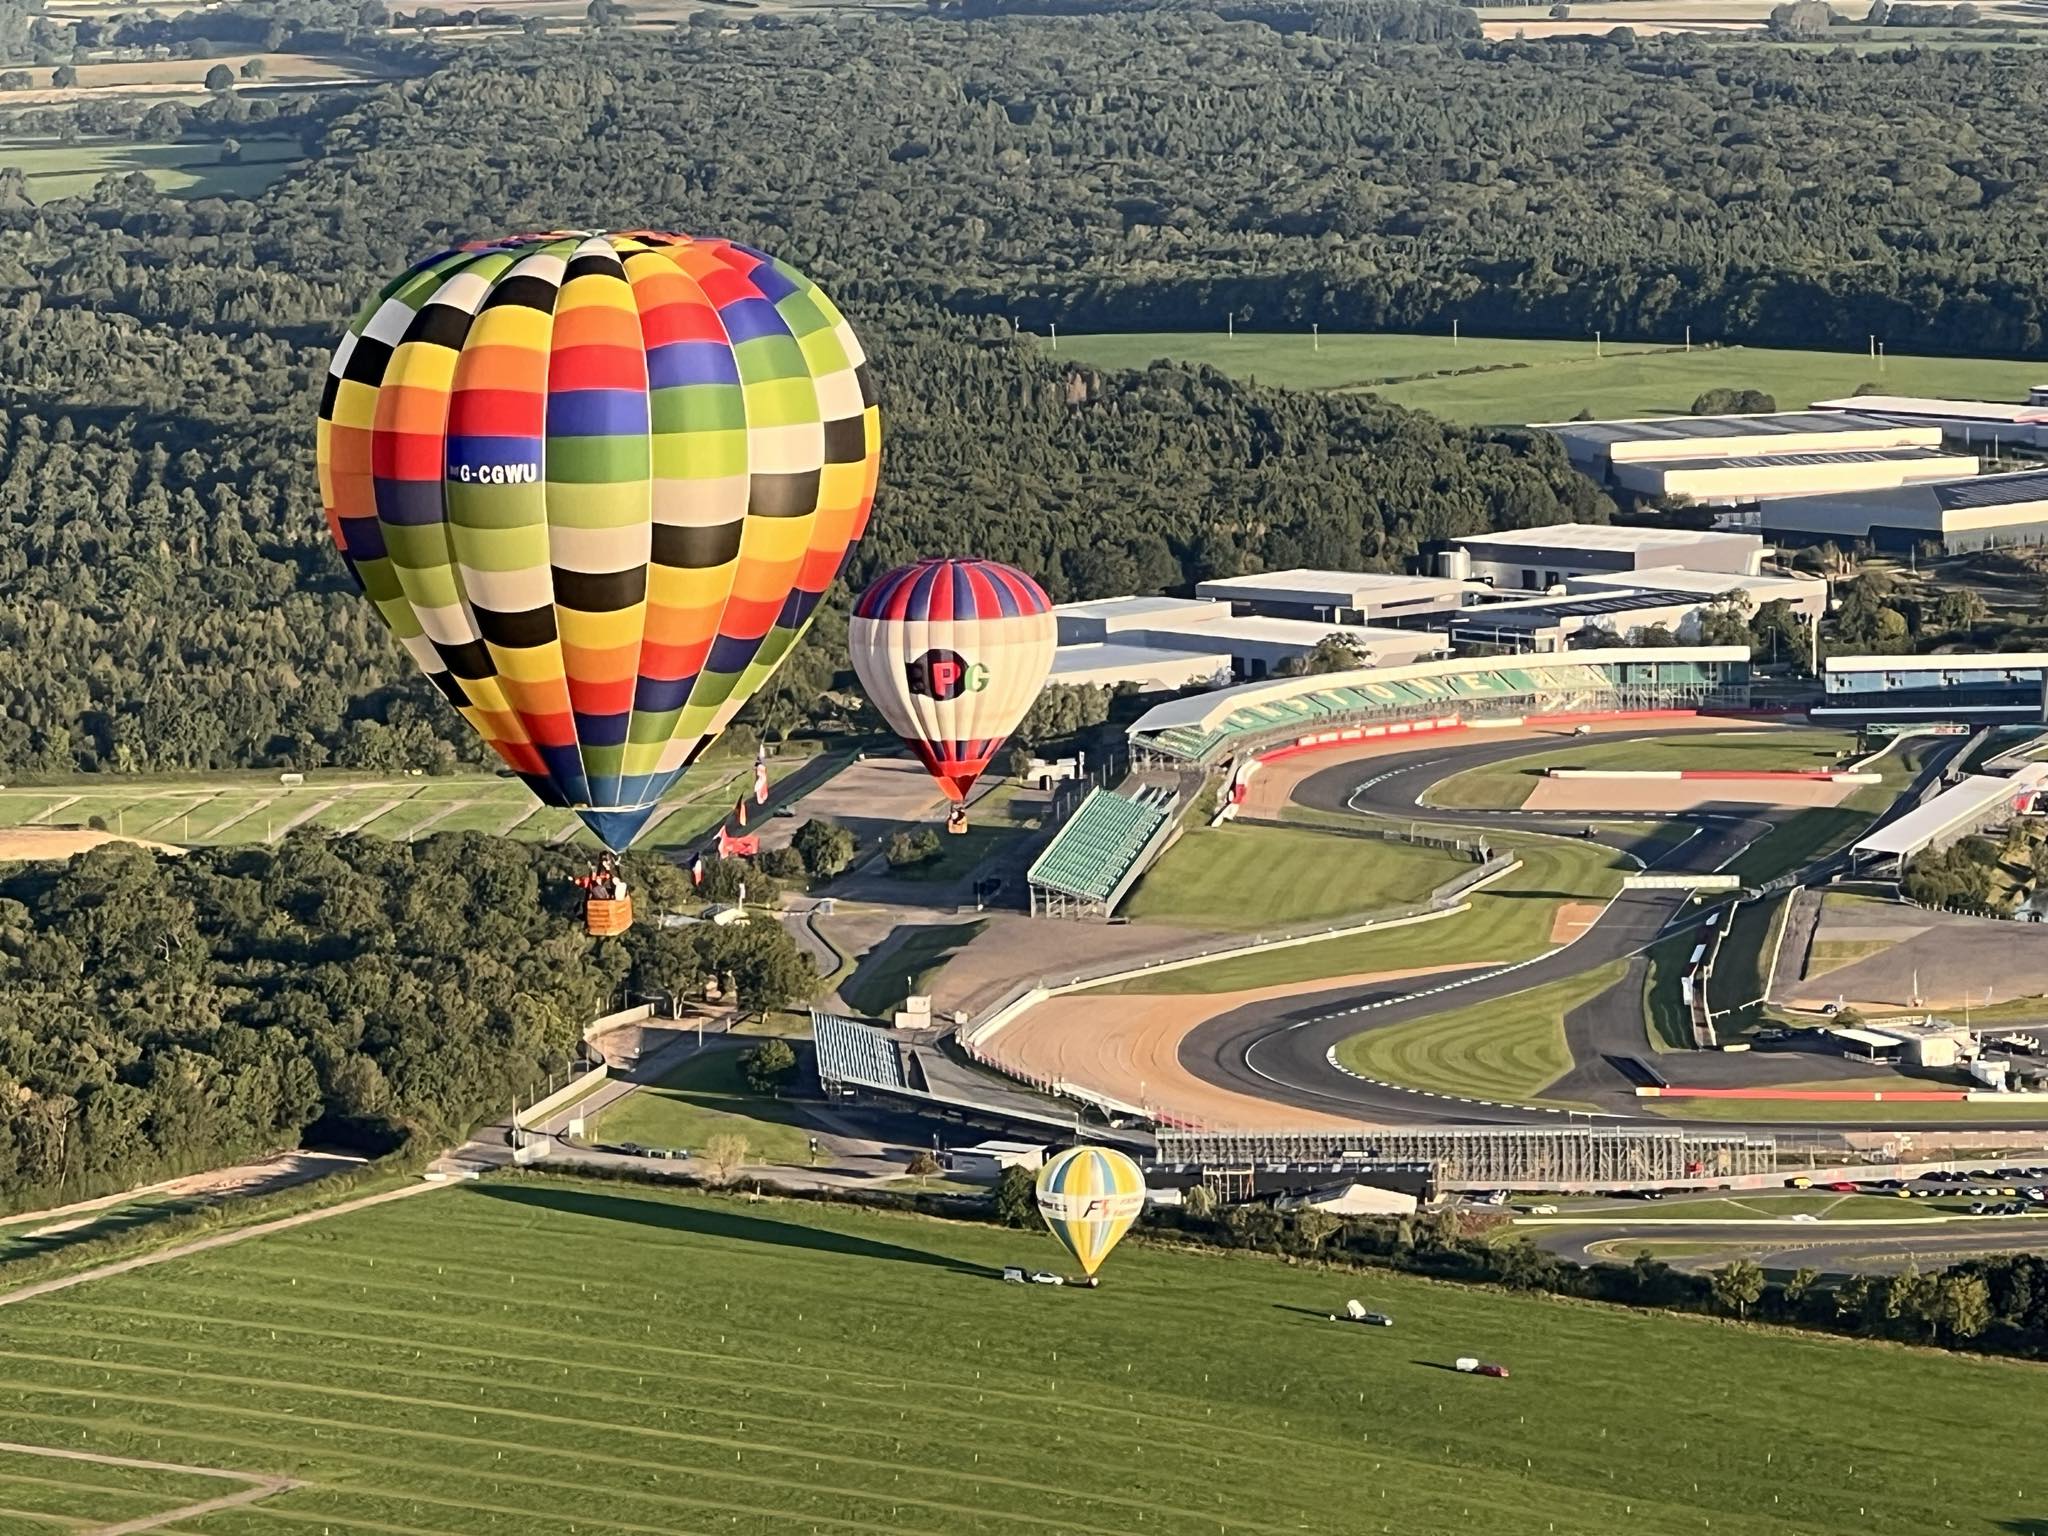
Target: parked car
1046,1277
1843,1187
1013,1274
1799,1181
1377,1320
1804,1216
1542,1210
1499,1371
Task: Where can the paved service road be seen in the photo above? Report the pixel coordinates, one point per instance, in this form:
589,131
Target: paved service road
1280,1050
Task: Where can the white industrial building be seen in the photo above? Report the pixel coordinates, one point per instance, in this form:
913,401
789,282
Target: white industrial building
1152,670
1985,512
1992,424
1808,595
1744,479
1339,597
1600,448
1554,623
1537,559
1161,643
1975,801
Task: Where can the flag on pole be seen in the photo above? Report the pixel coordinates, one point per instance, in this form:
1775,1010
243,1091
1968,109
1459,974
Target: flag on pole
760,781
739,810
724,844
697,867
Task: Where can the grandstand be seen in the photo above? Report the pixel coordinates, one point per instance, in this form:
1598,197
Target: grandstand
1099,854
852,1054
1206,728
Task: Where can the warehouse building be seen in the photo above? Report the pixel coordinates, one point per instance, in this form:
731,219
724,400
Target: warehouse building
1164,643
1537,559
1150,669
1339,597
1555,623
1987,512
1989,686
1745,479
1600,448
1993,424
1808,595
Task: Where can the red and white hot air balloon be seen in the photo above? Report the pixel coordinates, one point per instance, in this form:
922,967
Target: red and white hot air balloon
953,652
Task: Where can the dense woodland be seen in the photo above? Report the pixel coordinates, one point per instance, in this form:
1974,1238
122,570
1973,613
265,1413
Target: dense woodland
160,1015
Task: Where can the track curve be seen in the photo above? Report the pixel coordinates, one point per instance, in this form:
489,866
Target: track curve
1280,1051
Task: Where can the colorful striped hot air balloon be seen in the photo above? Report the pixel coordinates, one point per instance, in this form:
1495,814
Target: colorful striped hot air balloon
952,652
597,484
1089,1196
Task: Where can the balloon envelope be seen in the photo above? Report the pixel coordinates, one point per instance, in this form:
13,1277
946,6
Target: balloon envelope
953,652
597,485
1089,1196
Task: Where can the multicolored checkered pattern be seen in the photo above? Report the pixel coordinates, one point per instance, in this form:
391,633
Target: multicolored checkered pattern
597,484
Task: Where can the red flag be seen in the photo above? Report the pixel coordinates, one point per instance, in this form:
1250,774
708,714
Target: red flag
697,868
744,847
724,844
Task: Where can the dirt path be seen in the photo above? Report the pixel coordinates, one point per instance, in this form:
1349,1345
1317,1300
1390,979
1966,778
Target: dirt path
261,1486
205,1244
279,1172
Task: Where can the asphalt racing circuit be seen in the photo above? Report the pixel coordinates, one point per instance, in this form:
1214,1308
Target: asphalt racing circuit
1281,1050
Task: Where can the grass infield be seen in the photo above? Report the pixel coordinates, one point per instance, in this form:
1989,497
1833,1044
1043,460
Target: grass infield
550,1355
1253,879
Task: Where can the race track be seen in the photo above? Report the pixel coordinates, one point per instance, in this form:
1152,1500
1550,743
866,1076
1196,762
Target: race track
1280,1049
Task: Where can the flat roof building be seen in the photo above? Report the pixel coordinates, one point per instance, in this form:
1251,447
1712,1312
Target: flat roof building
1552,623
1808,595
1338,597
1536,559
1988,686
1975,801
1103,618
1742,480
1960,515
1151,669
1996,423
1598,447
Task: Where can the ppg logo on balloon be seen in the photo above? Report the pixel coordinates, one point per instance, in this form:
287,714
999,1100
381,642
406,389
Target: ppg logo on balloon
944,675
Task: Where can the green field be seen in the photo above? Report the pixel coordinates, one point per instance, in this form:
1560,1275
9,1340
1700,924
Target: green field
1508,920
1249,879
528,1355
1506,786
252,807
187,170
1484,379
1670,1025
877,988
703,1098
1511,1048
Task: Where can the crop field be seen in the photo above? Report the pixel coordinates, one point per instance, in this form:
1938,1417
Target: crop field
549,1355
1510,1049
1501,380
1259,878
1505,786
58,170
254,808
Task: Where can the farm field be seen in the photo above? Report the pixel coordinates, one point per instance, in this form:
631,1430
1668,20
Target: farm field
252,808
1248,879
702,1098
1502,380
56,170
533,1354
1505,786
1511,919
1510,1049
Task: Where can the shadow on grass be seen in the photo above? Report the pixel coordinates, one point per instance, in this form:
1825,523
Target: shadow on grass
1438,1365
730,1225
113,1223
2024,1527
1321,1317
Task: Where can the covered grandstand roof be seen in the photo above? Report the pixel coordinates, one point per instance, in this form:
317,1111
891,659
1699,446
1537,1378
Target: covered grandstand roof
1965,806
1446,680
1976,661
1680,428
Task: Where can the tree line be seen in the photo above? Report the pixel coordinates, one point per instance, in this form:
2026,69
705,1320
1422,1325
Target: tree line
161,1015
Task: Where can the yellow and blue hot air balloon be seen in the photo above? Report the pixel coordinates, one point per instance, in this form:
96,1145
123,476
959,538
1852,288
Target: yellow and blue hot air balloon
1089,1196
597,484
